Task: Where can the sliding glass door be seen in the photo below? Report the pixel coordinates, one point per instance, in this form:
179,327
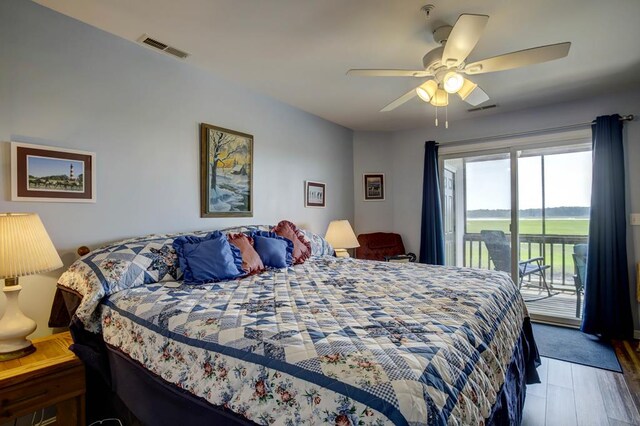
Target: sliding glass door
554,195
477,207
526,212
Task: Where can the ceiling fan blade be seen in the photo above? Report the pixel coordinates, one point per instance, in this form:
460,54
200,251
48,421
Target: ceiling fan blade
388,73
519,59
463,38
402,99
476,97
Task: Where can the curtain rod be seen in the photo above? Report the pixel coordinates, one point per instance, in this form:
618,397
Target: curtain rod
629,117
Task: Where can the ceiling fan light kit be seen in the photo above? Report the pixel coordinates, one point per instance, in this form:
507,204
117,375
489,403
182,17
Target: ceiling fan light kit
427,90
440,98
452,82
445,65
468,86
423,94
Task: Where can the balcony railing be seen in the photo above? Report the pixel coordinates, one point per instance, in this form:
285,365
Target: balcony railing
556,250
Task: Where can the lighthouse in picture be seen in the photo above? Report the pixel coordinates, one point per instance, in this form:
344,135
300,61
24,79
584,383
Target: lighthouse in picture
71,172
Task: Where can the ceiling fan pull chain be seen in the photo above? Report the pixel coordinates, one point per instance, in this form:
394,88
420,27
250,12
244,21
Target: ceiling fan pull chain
446,116
436,116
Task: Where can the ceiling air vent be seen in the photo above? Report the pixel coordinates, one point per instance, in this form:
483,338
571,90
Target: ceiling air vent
145,39
175,52
482,108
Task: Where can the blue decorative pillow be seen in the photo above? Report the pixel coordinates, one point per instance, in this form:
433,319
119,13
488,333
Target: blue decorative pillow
208,259
275,251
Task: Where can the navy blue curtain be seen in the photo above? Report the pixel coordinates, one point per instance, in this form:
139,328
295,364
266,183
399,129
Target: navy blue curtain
607,309
432,234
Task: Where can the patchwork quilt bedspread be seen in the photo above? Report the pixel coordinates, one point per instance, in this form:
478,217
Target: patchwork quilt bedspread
340,341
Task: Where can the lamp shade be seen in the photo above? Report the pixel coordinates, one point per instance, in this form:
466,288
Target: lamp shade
452,82
468,86
427,90
340,235
25,246
440,98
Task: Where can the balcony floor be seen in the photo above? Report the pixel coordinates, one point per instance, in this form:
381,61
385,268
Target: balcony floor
561,305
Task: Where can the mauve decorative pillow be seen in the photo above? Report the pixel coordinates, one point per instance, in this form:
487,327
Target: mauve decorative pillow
208,259
251,262
274,250
301,247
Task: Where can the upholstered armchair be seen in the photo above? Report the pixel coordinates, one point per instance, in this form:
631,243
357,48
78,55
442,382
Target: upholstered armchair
383,246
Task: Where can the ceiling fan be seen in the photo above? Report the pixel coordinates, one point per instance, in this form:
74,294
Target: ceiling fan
446,64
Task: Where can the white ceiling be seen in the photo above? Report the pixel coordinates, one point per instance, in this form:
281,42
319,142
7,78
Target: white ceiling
298,51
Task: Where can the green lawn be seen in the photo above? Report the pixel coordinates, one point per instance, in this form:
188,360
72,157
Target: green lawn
568,227
532,226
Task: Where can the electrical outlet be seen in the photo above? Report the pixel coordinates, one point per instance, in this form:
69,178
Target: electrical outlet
635,219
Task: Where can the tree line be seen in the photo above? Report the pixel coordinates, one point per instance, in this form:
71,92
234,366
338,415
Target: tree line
557,212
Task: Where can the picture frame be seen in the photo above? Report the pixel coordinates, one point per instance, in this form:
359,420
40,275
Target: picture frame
52,174
373,186
226,172
315,194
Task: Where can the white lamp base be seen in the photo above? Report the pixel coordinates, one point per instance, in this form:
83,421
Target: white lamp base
342,253
15,327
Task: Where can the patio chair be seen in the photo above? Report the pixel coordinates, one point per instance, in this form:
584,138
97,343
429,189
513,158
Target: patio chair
580,269
500,253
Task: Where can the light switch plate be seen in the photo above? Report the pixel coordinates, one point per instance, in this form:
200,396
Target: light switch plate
635,219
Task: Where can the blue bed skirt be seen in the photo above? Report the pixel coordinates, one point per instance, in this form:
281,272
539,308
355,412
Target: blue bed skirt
522,371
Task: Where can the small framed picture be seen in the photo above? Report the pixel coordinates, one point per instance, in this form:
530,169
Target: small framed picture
314,194
44,173
373,186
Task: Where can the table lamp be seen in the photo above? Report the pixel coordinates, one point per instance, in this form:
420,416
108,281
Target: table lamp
25,249
341,236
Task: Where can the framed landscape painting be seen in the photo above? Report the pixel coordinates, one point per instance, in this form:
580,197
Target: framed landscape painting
226,171
44,173
314,194
374,187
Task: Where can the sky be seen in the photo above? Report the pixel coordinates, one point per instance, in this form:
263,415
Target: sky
567,182
41,166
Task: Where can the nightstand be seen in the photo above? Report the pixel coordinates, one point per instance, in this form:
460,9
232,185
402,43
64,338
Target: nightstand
52,375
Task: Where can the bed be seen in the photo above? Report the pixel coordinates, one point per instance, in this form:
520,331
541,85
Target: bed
330,341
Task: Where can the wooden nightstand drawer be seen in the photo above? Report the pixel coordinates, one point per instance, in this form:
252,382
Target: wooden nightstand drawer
20,399
52,375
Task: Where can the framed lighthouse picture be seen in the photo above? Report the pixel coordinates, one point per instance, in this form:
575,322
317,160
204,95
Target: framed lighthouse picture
44,173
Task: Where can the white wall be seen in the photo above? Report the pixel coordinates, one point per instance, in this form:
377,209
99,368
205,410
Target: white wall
371,154
64,83
405,158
